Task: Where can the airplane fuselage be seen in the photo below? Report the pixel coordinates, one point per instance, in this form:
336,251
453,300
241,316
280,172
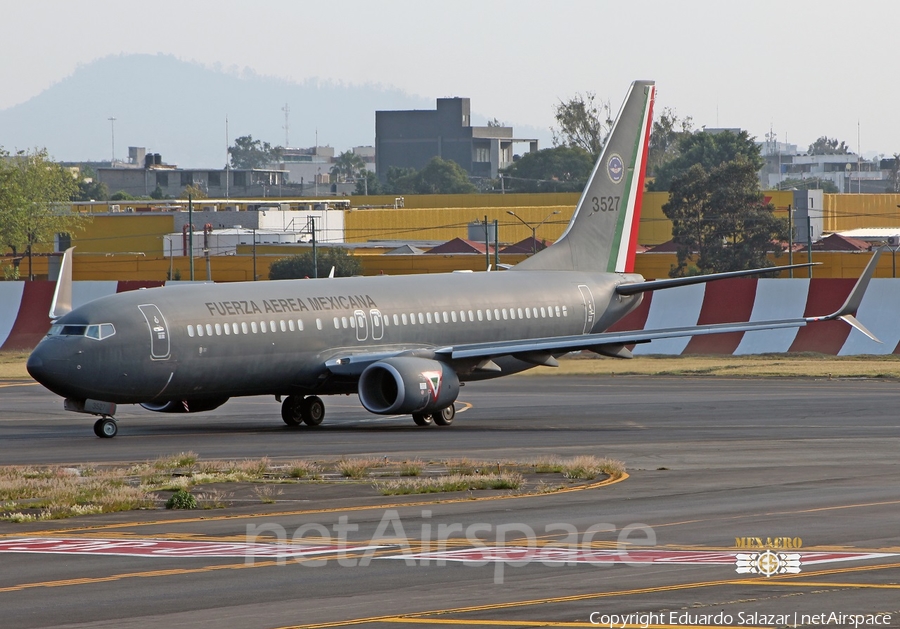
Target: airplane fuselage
214,341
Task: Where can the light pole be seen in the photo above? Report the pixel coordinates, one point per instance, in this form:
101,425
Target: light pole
532,228
112,130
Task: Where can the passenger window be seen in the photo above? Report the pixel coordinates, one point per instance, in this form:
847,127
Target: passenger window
557,311
199,330
428,315
534,310
234,328
353,322
446,318
300,325
218,329
421,318
396,320
412,318
262,327
472,316
488,314
290,324
437,317
565,311
190,329
253,327
497,314
337,323
543,312
271,326
480,315
344,322
462,316
284,325
520,313
244,327
208,329
227,329
318,324
404,319
452,316
527,313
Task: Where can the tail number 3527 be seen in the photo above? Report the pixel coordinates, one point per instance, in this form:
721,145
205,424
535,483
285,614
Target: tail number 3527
605,204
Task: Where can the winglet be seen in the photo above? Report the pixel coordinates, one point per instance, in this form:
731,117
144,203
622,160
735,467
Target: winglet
854,299
62,295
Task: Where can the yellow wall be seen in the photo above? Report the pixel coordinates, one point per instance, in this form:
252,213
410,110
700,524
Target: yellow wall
851,211
114,233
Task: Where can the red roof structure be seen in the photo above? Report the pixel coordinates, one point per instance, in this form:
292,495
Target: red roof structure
460,245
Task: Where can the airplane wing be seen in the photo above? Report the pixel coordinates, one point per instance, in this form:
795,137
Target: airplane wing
541,350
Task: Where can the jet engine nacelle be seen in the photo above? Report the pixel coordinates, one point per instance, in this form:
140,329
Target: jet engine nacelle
406,384
185,406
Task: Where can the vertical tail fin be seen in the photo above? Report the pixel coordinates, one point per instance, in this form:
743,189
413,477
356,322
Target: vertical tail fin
602,235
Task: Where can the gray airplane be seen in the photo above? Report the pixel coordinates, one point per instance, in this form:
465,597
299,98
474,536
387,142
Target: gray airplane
404,344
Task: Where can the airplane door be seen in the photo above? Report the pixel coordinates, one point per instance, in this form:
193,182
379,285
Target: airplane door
377,326
159,331
588,298
362,328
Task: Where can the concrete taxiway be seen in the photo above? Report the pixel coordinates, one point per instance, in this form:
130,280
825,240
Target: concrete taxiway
709,461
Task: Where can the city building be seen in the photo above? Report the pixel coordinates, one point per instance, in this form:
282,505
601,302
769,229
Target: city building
410,138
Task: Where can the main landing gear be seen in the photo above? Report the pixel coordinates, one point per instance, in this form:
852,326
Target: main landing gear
297,409
443,417
106,427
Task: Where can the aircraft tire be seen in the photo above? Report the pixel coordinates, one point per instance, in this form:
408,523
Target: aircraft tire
291,411
444,417
313,410
422,419
106,428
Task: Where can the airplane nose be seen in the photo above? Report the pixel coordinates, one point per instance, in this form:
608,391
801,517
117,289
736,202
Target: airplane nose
36,365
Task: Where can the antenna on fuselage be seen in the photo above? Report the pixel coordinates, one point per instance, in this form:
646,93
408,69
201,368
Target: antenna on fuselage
62,294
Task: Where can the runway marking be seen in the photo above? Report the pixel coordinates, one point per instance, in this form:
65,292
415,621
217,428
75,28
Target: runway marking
419,616
517,554
168,548
6,385
397,505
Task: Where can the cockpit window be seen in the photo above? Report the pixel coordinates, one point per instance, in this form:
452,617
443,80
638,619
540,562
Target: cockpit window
98,331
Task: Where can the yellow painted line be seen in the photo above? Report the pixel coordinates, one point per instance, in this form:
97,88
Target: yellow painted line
545,623
5,385
396,505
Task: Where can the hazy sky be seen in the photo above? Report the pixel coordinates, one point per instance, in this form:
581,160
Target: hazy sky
803,68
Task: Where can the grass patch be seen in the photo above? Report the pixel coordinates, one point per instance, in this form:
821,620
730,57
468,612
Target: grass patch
580,467
453,482
358,467
412,468
12,366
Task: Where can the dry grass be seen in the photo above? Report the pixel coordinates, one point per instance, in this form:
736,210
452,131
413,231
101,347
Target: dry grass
12,366
359,467
453,482
766,365
580,467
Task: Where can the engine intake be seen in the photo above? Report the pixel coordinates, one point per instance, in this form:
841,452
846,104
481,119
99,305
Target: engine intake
185,406
406,384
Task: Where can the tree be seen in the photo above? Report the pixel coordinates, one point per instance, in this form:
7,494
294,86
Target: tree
121,195
558,169
720,214
250,153
443,176
708,150
368,184
809,183
347,166
194,192
34,201
583,123
301,266
828,146
89,189
439,176
665,137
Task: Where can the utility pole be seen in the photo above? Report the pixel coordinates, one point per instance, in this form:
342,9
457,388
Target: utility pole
312,224
487,245
112,128
191,234
286,110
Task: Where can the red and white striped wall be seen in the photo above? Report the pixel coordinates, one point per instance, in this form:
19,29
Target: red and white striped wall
762,299
24,308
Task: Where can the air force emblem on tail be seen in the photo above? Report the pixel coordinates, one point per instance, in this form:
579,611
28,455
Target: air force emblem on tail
615,168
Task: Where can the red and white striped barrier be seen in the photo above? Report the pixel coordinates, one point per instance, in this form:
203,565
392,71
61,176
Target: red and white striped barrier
733,300
24,308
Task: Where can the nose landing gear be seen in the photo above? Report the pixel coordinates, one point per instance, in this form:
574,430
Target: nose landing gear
106,427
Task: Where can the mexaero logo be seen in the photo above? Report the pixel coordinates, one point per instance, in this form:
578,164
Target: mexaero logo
615,168
433,378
